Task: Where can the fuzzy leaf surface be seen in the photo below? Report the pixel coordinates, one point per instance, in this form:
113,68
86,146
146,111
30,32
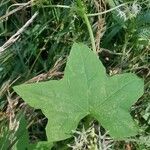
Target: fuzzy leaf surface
85,89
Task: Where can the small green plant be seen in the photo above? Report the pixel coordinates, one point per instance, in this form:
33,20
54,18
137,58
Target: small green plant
90,139
85,90
119,34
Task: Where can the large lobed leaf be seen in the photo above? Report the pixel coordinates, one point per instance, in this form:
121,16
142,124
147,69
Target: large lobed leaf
86,89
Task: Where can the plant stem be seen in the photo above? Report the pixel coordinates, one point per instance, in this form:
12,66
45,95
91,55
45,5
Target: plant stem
109,10
57,6
90,31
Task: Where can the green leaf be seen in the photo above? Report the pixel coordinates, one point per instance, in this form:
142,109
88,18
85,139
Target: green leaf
44,145
86,89
4,138
22,136
23,142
